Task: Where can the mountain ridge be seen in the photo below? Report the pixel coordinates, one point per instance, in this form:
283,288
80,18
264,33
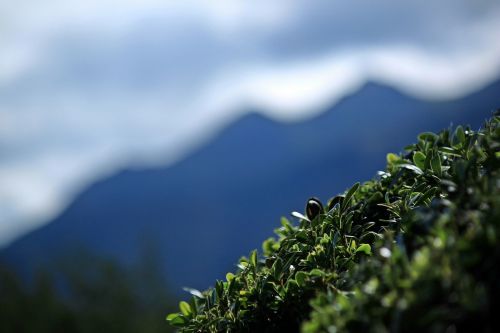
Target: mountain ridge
245,178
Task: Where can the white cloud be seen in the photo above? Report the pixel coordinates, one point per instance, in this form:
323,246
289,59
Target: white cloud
89,86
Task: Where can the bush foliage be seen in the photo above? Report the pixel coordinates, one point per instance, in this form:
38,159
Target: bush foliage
415,249
85,293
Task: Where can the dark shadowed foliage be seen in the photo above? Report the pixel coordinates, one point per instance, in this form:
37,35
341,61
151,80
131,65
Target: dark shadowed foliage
414,250
85,293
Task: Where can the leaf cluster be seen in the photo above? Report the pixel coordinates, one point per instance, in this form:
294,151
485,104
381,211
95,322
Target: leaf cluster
414,249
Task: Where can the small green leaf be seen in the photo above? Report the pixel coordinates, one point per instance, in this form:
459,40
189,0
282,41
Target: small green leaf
436,164
412,167
219,289
253,258
353,245
172,316
193,292
376,197
185,308
419,159
286,224
268,246
449,151
349,196
300,216
292,284
277,268
392,158
365,248
335,240
229,277
243,264
460,134
427,136
300,277
317,272
175,319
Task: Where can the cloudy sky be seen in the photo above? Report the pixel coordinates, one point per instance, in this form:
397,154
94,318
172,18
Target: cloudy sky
88,87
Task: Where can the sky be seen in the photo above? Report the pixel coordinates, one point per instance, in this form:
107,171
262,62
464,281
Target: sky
90,87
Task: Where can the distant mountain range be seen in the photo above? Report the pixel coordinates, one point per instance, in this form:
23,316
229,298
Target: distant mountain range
224,199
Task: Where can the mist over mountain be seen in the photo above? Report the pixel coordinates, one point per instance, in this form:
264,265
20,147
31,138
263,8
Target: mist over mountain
203,212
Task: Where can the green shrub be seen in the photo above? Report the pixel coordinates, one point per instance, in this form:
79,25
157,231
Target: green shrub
85,293
414,250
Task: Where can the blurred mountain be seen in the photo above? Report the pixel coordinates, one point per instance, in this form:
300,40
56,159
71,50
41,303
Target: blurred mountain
223,200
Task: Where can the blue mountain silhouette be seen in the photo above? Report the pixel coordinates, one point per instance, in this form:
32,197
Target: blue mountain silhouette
225,198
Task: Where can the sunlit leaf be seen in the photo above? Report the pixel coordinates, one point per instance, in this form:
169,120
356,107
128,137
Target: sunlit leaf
300,216
176,319
253,258
193,292
364,248
185,308
392,158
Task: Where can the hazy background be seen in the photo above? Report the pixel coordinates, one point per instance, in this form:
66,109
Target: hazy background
196,124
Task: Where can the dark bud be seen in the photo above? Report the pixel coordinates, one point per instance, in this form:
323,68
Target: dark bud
335,200
314,207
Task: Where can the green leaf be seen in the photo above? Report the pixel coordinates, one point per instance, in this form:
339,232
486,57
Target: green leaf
171,316
277,268
268,246
219,289
229,277
412,167
292,284
427,136
353,245
194,292
365,248
419,160
175,319
427,195
253,258
436,164
286,224
349,196
449,151
376,197
392,158
300,216
317,272
185,308
460,134
300,277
